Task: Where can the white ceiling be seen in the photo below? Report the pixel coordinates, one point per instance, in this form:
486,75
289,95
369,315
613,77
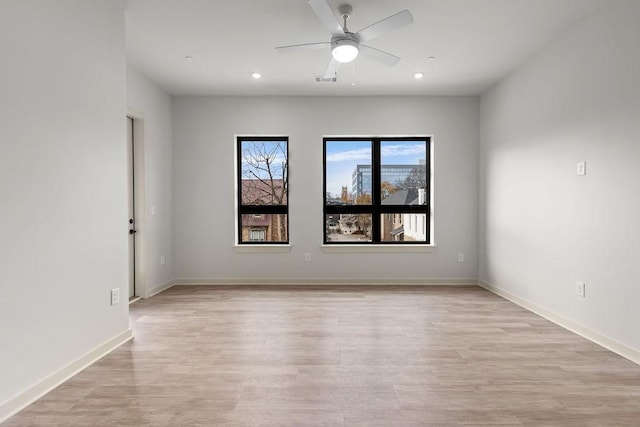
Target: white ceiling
475,43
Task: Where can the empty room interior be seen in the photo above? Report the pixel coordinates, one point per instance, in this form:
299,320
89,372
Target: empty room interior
319,212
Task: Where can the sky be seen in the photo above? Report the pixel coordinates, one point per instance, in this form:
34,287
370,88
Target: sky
258,151
343,156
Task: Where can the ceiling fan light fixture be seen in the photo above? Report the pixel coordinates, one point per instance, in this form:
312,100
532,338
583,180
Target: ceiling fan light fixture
345,50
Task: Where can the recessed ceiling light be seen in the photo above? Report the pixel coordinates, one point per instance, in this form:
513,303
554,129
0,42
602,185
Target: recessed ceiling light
431,58
188,58
256,75
418,76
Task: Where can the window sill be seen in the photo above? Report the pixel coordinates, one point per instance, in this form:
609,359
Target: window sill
274,249
377,248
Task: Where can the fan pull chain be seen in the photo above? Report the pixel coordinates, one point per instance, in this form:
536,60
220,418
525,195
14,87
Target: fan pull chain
353,74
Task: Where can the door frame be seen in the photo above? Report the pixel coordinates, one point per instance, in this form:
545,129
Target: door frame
139,202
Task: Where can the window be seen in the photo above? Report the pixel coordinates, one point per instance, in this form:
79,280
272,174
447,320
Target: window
376,190
263,190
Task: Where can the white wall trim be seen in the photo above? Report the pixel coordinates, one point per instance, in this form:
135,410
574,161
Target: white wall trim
326,281
33,393
606,342
368,248
279,249
155,290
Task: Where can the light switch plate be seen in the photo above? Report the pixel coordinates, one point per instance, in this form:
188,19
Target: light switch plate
580,291
115,296
581,168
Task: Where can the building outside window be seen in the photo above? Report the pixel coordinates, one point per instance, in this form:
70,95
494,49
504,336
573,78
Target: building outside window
388,201
262,186
361,178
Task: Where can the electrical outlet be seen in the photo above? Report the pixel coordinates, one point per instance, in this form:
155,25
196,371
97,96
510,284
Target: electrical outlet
580,289
162,260
460,257
581,168
307,257
115,296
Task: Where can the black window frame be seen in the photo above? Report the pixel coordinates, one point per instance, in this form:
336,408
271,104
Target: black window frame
260,209
376,209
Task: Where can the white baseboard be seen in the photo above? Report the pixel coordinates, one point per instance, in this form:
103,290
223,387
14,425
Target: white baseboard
159,288
33,393
606,342
327,281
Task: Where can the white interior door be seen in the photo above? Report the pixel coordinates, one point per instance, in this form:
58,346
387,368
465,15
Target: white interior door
132,209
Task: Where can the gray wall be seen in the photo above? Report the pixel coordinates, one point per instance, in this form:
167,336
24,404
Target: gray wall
151,107
204,129
63,185
542,228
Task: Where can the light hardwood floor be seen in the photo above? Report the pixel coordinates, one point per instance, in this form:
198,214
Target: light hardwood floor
360,355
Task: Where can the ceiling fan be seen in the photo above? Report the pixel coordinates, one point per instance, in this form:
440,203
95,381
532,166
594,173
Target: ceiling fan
345,45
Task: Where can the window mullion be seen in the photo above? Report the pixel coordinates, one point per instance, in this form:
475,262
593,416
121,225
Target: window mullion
376,172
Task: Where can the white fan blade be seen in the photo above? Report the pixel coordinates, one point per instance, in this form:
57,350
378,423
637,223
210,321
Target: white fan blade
390,23
326,16
304,46
332,69
379,55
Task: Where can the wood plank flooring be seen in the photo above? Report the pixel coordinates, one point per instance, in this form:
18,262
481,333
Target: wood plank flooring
343,356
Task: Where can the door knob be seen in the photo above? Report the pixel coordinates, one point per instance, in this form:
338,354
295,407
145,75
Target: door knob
132,231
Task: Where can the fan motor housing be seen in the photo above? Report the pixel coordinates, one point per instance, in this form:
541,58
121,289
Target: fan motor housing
347,38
